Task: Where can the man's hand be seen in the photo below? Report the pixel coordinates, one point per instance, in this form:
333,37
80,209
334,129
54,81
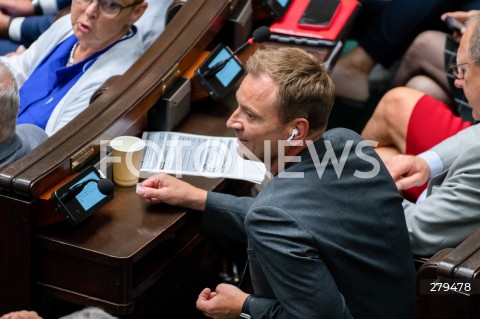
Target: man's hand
21,315
19,50
163,188
17,8
461,16
224,303
408,171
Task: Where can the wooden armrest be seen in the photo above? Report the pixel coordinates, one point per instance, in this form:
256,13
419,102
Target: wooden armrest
448,265
429,268
446,262
460,263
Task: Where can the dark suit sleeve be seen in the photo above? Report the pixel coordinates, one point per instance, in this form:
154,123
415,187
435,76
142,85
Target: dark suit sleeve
224,216
33,27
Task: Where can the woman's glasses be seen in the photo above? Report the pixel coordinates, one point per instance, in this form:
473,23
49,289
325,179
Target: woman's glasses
109,8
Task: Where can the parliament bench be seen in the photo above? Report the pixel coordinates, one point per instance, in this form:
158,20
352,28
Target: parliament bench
448,283
130,255
122,109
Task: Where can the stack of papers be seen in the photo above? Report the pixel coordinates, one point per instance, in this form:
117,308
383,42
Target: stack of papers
198,155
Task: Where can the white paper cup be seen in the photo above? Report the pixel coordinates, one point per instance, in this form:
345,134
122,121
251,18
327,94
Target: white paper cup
127,152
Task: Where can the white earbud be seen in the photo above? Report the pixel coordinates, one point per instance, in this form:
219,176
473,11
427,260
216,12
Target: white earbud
292,136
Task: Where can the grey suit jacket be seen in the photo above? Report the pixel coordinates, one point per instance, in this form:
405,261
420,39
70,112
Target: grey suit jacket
328,245
25,139
451,210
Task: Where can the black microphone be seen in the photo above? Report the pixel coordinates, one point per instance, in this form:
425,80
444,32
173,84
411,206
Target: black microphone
260,35
105,186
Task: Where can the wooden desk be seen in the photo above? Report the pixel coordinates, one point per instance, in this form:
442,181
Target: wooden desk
113,261
128,247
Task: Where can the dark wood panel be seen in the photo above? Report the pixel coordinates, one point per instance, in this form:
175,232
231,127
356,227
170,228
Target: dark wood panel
122,109
460,264
16,220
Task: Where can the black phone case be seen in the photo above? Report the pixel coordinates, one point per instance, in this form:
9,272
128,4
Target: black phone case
319,12
453,24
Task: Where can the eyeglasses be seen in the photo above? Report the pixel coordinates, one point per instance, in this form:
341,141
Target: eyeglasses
109,9
457,71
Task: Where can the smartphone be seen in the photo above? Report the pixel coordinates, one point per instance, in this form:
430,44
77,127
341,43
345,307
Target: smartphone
219,81
277,8
79,206
319,14
453,24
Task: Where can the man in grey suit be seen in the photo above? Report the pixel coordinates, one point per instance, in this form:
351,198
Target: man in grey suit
326,237
447,212
15,140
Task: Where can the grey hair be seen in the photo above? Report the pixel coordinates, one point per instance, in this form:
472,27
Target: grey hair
474,44
9,102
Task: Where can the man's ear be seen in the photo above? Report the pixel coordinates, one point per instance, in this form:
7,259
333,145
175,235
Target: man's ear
302,127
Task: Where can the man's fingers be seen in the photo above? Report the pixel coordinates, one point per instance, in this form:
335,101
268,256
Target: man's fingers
408,182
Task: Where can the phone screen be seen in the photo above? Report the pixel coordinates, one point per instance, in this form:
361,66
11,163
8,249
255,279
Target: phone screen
319,13
90,195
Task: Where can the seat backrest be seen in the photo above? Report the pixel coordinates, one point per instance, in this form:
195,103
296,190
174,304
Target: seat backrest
153,21
173,9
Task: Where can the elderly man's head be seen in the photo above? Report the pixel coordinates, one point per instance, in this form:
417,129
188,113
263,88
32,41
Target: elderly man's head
9,100
467,71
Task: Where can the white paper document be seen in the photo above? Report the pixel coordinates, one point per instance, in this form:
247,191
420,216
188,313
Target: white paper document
198,155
